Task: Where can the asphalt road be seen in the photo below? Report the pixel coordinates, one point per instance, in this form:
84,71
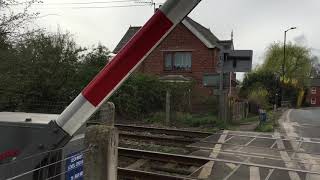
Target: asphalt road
306,122
281,150
305,125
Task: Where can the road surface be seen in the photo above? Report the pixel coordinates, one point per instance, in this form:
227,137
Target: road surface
282,151
305,125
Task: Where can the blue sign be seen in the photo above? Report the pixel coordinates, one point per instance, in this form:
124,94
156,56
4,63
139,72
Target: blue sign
74,167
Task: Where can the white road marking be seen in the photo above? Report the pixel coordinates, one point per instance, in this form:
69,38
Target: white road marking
284,155
269,174
207,168
254,173
235,169
231,166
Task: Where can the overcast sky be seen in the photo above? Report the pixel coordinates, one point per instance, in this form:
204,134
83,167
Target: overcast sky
256,23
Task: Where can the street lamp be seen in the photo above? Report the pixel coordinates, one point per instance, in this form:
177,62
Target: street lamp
284,58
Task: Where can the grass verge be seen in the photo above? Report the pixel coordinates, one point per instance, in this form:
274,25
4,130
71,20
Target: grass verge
272,122
207,121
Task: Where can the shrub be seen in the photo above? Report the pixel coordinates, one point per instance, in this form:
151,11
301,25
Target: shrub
158,117
139,95
265,128
195,120
259,96
142,95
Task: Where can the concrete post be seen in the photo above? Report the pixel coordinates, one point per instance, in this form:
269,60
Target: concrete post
107,114
101,162
168,107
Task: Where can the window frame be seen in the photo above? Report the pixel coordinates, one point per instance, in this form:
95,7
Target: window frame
313,101
313,90
165,53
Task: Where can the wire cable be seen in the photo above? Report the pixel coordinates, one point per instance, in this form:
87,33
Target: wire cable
94,2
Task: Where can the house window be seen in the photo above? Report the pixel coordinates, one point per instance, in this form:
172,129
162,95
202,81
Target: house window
177,61
313,90
313,101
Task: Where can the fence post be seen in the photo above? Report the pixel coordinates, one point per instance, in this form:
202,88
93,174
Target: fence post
101,162
168,108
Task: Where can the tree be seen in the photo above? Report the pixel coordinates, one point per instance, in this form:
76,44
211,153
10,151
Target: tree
93,62
269,75
259,96
42,73
297,64
14,21
260,79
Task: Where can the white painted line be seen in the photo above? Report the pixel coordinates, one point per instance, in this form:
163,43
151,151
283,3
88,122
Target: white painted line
228,139
284,155
232,172
231,166
207,168
235,170
250,141
254,173
275,142
269,174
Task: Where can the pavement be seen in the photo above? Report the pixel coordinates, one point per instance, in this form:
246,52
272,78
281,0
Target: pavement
290,153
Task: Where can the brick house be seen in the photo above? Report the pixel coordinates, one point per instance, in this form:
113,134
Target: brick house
313,96
190,50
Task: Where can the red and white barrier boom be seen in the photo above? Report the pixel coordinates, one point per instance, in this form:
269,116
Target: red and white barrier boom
124,63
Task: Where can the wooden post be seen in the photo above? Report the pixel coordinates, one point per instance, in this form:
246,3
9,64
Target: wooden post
168,107
101,162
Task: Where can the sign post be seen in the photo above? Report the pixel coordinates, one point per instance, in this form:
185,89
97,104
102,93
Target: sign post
230,62
237,61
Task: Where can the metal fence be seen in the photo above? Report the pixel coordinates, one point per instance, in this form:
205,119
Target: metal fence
57,164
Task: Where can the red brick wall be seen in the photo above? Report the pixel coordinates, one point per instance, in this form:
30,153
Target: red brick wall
181,39
316,96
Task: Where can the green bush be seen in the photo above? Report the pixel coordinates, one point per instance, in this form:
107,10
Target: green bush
142,95
259,96
158,117
185,119
195,120
267,127
138,96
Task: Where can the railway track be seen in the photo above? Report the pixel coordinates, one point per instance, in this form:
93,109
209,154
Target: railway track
162,140
159,165
169,132
160,136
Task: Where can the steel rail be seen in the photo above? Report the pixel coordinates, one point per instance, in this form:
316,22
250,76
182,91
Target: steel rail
178,142
143,175
162,157
199,134
286,138
173,132
190,159
237,152
262,156
258,147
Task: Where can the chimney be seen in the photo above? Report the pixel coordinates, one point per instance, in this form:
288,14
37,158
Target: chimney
156,9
